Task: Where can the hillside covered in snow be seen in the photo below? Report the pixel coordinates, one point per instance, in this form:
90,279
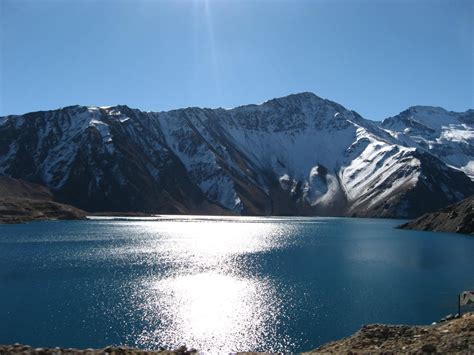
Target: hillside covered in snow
296,155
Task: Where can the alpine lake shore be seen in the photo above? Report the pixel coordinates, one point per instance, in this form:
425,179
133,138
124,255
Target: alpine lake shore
452,335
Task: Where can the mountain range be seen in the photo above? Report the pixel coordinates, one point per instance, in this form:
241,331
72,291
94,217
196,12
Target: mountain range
295,155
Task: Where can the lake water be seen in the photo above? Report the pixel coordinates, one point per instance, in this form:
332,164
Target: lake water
222,284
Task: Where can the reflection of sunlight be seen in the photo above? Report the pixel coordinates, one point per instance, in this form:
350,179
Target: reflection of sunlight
208,243
221,238
218,299
201,298
211,311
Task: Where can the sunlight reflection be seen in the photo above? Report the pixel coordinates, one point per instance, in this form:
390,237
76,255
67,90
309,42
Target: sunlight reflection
207,299
205,243
211,311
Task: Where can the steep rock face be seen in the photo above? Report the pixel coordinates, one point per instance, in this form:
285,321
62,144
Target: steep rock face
298,154
98,160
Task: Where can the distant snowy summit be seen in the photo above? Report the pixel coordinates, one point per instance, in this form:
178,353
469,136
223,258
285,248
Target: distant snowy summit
295,155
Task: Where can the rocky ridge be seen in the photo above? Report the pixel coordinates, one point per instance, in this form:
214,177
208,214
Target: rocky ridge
295,155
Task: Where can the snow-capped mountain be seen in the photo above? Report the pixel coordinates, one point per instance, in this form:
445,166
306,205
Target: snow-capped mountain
447,135
298,154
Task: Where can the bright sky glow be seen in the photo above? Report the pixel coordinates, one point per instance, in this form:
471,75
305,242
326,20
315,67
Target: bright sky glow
376,57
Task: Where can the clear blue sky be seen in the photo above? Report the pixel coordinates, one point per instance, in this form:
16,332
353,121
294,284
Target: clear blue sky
374,56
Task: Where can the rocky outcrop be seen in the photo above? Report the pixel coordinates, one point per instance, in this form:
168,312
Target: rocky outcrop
21,201
455,336
456,218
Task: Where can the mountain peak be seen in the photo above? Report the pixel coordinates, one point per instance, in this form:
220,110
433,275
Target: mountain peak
298,97
298,154
306,101
427,109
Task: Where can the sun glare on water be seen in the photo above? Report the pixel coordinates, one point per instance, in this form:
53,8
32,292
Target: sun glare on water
208,301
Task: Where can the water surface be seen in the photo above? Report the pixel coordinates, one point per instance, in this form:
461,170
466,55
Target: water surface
222,284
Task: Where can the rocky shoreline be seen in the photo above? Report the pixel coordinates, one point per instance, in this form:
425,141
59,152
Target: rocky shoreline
109,350
452,335
22,210
456,218
22,201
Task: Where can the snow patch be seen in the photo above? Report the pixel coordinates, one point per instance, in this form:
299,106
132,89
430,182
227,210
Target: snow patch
104,131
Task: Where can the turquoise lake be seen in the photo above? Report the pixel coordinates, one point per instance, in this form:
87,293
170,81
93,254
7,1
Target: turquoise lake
222,284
